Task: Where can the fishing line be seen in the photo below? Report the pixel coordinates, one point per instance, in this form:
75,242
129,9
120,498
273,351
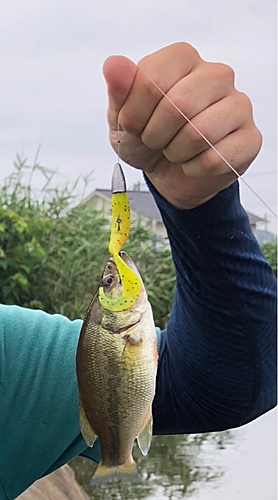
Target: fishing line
118,141
209,143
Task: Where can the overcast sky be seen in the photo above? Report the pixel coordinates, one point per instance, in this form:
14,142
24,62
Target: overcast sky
52,90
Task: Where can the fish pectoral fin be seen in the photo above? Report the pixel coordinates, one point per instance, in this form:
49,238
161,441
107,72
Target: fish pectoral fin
133,340
145,437
125,472
87,431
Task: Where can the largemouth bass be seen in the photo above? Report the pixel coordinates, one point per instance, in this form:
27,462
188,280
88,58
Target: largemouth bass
116,371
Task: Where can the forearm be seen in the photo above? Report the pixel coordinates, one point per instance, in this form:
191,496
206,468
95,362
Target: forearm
217,363
39,425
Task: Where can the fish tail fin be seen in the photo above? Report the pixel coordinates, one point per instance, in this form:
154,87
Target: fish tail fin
125,472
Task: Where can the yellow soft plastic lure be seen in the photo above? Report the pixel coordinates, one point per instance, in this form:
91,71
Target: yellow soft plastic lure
132,284
120,222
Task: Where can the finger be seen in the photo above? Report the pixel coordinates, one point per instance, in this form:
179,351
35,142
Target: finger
166,67
119,73
207,84
239,148
215,123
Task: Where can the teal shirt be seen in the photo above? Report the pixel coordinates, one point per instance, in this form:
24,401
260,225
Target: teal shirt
217,366
39,421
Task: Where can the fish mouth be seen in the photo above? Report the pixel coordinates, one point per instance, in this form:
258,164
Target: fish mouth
125,329
121,283
127,260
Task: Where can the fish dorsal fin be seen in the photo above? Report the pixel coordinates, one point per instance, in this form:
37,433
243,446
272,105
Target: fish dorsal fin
145,437
87,432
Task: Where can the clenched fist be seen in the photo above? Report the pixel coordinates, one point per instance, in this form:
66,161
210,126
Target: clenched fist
157,139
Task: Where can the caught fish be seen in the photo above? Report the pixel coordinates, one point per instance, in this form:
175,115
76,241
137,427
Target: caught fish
116,371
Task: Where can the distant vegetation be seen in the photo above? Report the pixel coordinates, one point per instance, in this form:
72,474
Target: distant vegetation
52,251
270,253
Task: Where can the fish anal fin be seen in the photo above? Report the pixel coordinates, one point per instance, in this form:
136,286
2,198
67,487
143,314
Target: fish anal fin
125,472
145,437
87,432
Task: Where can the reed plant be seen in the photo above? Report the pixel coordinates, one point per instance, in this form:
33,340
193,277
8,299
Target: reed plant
53,249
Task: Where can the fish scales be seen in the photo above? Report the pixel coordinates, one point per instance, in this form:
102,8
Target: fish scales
116,368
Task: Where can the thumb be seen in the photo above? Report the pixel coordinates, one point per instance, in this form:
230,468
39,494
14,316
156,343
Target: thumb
119,73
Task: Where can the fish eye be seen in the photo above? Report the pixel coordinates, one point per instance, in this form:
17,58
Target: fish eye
108,280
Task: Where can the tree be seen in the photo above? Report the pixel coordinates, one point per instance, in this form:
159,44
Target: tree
270,253
52,250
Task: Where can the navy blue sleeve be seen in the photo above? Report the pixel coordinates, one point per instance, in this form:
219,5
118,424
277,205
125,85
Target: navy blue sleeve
217,365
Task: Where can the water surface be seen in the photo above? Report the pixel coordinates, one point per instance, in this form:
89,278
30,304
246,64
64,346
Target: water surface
240,464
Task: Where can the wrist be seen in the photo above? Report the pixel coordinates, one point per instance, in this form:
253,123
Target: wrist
179,198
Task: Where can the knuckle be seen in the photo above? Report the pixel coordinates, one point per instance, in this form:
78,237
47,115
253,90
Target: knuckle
147,86
187,49
181,102
210,162
196,137
252,140
257,139
183,48
147,67
127,122
170,154
150,89
244,102
146,62
149,141
225,71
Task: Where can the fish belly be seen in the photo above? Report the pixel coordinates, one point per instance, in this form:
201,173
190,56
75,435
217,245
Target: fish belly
117,385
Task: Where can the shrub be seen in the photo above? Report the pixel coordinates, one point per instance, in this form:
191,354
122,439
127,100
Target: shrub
270,253
52,251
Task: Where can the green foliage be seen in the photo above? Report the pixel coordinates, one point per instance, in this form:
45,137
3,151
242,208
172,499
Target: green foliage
154,261
20,251
22,225
52,251
76,251
270,253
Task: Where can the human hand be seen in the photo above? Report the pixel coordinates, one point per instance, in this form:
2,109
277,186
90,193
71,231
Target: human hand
154,137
